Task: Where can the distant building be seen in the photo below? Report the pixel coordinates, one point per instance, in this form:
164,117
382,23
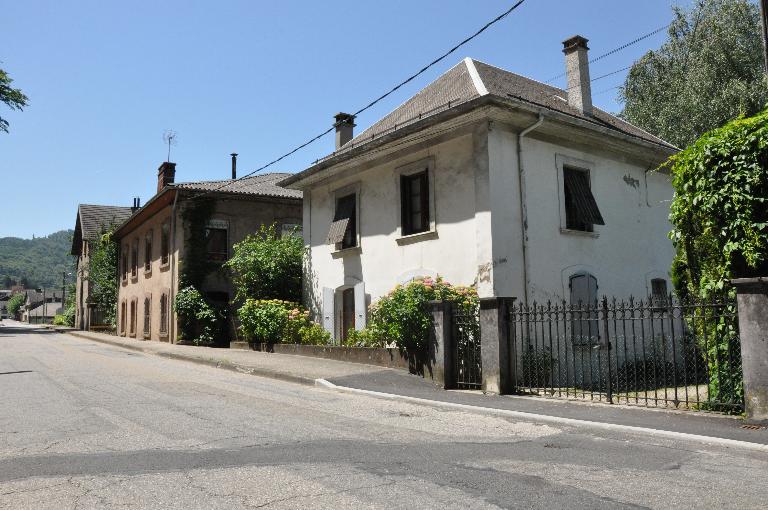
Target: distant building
92,221
34,300
155,244
44,312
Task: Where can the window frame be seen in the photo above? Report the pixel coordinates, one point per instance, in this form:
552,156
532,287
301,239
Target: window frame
124,251
147,329
421,166
219,225
164,315
352,189
561,162
133,319
165,244
592,318
148,242
408,201
135,258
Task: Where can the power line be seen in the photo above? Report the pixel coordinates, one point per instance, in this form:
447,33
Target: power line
378,99
617,49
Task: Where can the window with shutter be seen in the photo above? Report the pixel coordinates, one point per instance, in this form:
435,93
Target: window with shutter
165,249
148,252
581,211
135,258
343,229
147,316
414,203
585,328
217,244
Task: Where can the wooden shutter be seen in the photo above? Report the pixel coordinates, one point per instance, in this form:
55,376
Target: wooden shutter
585,206
329,311
360,308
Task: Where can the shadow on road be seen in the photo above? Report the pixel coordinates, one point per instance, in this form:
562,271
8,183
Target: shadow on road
15,330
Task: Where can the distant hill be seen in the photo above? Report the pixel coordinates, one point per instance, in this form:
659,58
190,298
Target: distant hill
41,260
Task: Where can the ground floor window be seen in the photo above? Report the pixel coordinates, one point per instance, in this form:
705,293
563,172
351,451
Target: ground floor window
147,316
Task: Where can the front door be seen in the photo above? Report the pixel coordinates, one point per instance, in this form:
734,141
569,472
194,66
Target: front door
347,313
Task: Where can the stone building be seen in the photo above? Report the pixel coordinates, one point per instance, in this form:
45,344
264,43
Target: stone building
157,241
91,223
492,179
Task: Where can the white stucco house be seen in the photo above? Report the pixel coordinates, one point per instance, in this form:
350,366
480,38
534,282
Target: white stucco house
489,178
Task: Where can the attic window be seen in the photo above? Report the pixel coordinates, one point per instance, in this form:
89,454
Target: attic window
581,211
343,230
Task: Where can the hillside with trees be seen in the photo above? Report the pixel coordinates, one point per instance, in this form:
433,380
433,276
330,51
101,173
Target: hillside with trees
36,262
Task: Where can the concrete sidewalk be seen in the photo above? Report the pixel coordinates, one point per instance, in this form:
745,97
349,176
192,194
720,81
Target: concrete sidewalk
398,383
297,369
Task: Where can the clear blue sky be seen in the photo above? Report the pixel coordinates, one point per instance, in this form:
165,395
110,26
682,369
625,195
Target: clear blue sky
106,79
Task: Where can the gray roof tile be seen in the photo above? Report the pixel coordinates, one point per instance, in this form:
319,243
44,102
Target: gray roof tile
456,86
260,184
95,218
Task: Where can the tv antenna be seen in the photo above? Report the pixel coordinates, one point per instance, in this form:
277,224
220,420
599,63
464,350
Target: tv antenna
170,138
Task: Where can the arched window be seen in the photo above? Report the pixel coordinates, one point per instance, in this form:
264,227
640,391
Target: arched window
585,328
147,316
164,314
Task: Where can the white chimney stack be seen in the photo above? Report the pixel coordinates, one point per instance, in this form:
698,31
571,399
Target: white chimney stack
577,71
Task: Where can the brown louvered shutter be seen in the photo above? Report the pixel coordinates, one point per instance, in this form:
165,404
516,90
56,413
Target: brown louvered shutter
581,201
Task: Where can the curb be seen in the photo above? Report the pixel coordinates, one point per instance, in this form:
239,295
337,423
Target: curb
556,420
210,362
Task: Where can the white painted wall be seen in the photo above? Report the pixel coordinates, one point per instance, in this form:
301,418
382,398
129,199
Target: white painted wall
478,238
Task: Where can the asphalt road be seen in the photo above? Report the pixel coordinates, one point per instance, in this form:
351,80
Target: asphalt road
86,425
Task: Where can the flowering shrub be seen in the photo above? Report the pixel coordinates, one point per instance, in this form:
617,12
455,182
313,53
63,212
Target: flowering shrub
275,321
402,316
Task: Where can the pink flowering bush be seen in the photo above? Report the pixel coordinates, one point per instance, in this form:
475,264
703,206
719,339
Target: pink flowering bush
403,317
275,321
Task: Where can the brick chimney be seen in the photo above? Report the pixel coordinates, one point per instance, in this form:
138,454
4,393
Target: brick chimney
345,124
165,175
577,71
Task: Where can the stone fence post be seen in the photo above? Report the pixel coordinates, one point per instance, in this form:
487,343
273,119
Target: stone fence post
497,356
441,344
752,300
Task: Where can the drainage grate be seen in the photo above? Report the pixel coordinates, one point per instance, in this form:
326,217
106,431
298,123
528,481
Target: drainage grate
753,427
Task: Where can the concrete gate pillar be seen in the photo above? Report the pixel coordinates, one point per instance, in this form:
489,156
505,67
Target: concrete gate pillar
752,300
495,350
441,344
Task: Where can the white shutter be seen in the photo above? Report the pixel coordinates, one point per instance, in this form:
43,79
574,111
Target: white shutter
329,311
360,308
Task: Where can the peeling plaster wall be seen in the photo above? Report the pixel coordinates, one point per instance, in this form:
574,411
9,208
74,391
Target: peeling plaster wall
624,254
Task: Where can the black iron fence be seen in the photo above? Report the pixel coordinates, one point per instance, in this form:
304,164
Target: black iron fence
654,352
467,363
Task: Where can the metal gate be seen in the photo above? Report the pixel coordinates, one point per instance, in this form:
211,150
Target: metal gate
658,352
467,363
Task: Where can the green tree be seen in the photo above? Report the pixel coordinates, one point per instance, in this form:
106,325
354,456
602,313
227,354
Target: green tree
13,98
101,273
15,303
709,71
266,265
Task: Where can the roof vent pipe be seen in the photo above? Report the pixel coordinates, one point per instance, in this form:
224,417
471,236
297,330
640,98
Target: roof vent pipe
234,165
345,124
577,72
